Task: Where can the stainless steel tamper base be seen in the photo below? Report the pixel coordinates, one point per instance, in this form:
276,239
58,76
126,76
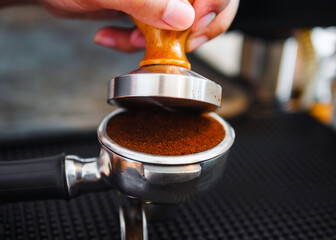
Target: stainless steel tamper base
165,87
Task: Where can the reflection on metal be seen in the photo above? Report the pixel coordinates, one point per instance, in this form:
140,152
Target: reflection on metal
84,175
270,66
132,217
253,59
165,87
286,70
148,177
163,179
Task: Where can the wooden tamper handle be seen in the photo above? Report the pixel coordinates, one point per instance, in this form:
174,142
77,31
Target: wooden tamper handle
164,46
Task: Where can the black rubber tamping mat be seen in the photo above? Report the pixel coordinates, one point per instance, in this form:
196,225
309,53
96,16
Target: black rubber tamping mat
280,183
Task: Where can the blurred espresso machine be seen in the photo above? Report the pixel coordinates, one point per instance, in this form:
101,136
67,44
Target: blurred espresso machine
285,52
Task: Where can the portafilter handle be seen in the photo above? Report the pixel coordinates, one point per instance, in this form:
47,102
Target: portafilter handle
33,179
51,177
64,177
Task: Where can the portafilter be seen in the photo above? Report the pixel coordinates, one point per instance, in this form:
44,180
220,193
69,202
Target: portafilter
145,177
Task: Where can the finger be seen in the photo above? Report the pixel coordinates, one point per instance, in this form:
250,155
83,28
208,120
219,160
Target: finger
218,25
166,14
94,15
74,6
125,40
104,14
205,12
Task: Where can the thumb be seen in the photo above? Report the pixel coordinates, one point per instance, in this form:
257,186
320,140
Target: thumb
166,14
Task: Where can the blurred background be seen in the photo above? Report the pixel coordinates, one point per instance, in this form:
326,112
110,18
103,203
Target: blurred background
276,57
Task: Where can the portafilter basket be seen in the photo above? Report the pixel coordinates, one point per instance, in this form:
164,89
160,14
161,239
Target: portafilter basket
164,179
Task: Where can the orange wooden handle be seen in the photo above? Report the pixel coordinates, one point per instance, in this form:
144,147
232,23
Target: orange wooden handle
164,46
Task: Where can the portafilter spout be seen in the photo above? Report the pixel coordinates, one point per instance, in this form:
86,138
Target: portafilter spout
164,80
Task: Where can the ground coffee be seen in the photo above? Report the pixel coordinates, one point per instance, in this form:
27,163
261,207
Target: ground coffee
164,133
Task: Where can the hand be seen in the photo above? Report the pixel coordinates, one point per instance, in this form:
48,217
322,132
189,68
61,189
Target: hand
213,17
207,18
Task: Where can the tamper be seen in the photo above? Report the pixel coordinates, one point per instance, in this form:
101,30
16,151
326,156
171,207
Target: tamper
164,79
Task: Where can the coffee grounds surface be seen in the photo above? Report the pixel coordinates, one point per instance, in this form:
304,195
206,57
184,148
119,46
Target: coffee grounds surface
165,133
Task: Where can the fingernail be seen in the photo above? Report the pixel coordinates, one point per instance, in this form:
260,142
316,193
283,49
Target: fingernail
106,40
196,42
137,39
205,20
178,14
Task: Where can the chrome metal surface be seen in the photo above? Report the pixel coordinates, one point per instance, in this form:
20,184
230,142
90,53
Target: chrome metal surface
85,175
270,66
132,217
144,178
153,178
165,87
163,179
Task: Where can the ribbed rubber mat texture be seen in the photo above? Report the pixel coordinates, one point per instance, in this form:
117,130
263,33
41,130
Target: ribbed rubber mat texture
280,183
